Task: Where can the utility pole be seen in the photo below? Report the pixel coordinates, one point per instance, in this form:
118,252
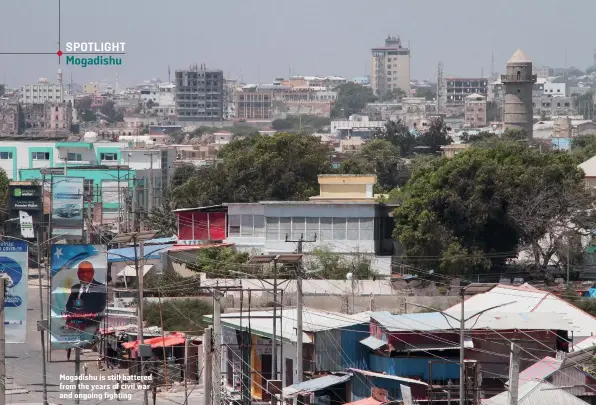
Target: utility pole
462,369
2,347
186,370
513,374
151,185
273,341
299,309
41,323
216,348
208,366
140,338
568,251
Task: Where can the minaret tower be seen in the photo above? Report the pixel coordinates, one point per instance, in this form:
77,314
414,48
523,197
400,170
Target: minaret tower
519,81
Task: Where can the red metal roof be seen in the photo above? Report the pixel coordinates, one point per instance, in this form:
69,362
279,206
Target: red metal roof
172,339
541,370
178,248
365,401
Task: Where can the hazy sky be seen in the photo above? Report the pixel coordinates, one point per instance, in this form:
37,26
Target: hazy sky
258,40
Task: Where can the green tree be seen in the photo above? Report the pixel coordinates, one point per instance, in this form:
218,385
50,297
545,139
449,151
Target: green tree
220,262
162,219
471,213
378,157
399,135
280,167
325,264
109,110
435,136
427,92
184,315
182,174
4,182
583,147
304,123
394,94
351,99
584,103
87,115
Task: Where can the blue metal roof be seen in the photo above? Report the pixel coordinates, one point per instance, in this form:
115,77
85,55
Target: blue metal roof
127,254
159,241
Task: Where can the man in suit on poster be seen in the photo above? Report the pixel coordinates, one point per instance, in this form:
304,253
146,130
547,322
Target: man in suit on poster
87,297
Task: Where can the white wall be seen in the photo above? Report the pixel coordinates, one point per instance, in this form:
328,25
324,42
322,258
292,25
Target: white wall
554,89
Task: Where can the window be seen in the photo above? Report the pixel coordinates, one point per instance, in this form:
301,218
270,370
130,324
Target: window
272,228
108,156
40,155
259,225
326,229
298,227
285,228
367,227
312,228
5,155
353,233
74,157
339,228
234,225
247,225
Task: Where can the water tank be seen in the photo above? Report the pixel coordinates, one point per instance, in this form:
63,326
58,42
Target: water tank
90,136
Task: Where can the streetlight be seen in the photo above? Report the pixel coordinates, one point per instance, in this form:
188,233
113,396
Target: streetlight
350,277
137,238
462,322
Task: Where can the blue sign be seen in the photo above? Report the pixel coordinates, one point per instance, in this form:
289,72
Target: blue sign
14,264
79,294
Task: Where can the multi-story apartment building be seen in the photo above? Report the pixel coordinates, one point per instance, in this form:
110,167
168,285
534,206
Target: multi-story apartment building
390,67
253,104
458,88
199,94
48,116
91,88
59,115
9,117
475,111
41,92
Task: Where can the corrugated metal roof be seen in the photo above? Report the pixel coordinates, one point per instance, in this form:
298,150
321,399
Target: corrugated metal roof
540,370
316,384
529,299
435,321
365,401
387,376
313,321
589,342
373,342
537,393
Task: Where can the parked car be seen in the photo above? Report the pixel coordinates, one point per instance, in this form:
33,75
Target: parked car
69,211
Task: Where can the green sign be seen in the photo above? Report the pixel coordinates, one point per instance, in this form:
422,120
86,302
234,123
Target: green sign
20,192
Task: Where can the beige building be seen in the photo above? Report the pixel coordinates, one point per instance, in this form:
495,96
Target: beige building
253,105
449,151
346,187
390,68
91,88
9,117
589,168
475,111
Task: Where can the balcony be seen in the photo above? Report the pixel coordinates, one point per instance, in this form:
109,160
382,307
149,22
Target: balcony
517,79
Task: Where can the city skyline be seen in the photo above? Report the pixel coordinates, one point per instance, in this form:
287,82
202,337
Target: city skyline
252,42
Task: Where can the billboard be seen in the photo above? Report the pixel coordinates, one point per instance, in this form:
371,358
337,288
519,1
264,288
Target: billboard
67,207
79,294
24,197
13,262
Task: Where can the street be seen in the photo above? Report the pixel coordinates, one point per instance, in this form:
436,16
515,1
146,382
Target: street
24,370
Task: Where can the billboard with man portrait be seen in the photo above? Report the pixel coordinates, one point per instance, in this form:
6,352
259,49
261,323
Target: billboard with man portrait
79,294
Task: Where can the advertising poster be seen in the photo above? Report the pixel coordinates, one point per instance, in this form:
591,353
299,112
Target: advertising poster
79,293
24,202
13,263
67,207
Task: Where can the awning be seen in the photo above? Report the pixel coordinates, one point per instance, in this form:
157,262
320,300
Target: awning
387,376
373,342
365,401
130,271
317,384
172,339
468,344
74,145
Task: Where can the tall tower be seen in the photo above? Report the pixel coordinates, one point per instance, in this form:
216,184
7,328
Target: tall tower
519,80
390,68
441,90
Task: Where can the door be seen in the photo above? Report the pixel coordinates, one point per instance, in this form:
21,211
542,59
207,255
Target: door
266,374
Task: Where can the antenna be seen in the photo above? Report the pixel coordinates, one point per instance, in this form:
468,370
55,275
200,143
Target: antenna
169,80
492,64
441,89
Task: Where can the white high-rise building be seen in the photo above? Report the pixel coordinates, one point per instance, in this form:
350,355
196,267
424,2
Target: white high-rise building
41,92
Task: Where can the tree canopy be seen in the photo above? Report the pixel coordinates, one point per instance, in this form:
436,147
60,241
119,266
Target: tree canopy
471,213
430,138
351,99
280,167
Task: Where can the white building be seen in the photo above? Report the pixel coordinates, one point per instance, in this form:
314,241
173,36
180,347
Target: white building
390,67
355,125
554,89
41,92
345,218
